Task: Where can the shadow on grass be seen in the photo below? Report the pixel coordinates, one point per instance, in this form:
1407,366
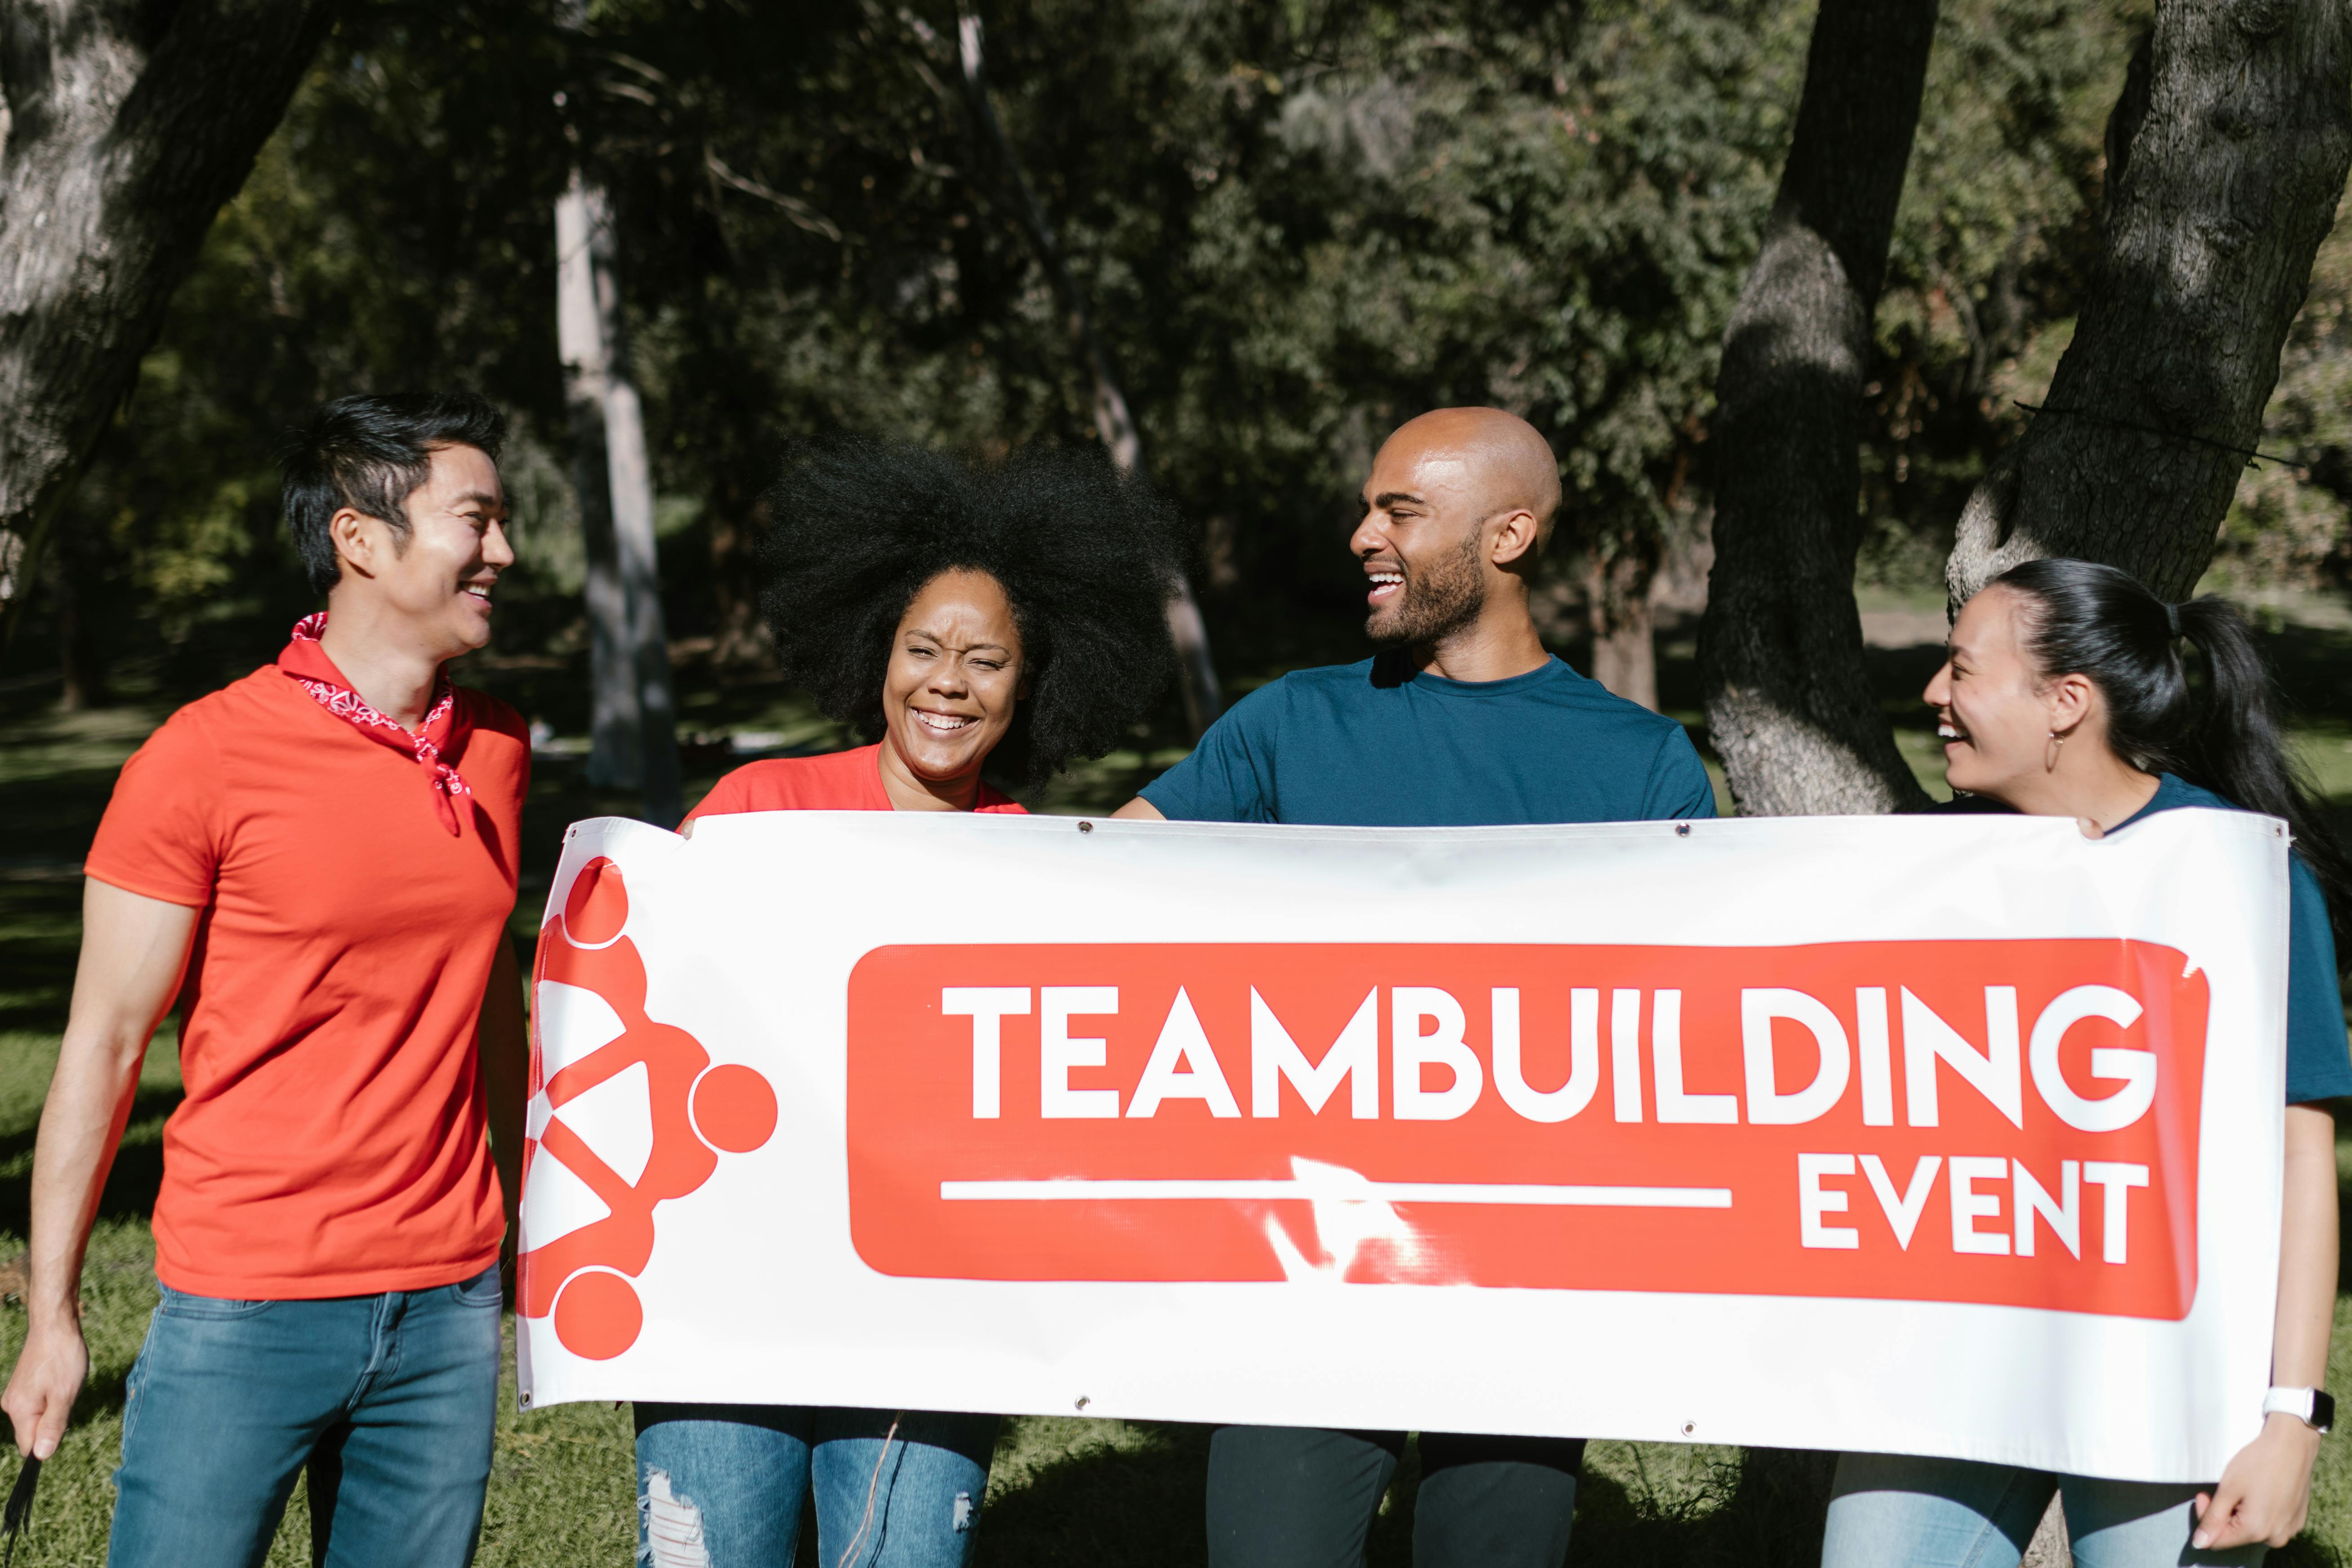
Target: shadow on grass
102,1395
2305,1551
40,935
1145,1507
130,1186
1762,1509
1141,1507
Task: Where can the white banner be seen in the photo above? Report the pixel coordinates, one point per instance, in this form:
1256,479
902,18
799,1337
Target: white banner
1954,1136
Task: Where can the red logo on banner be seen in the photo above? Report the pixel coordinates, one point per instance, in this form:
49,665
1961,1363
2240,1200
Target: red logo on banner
692,1111
2010,1123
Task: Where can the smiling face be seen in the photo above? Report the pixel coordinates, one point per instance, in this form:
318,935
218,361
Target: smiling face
953,679
436,581
1995,712
1421,543
1458,502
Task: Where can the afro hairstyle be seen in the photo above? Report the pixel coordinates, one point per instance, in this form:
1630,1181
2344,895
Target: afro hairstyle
1087,557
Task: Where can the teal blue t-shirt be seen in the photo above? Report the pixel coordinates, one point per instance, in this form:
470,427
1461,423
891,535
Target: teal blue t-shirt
1380,744
2318,1062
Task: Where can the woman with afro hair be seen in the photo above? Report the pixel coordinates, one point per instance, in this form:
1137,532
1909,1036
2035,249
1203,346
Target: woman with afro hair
946,613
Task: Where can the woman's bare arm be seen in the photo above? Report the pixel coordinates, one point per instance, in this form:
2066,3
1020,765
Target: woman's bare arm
2266,1492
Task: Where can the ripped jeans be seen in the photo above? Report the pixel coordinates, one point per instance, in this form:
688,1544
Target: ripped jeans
723,1486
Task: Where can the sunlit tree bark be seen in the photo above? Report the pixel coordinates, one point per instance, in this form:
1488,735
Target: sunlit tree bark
1624,622
2226,156
123,128
634,729
1787,703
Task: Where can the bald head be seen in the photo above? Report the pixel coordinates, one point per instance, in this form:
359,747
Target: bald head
1497,462
1456,511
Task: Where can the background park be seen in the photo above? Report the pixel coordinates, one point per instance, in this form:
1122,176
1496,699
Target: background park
1829,310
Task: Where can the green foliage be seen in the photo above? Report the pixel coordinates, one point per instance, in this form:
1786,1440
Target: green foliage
1298,223
393,233
1298,227
2291,524
1993,245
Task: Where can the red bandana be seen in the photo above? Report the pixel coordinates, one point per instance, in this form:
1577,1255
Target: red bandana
308,664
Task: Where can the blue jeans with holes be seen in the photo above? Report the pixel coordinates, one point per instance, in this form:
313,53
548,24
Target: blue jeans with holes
389,1401
723,1486
1893,1510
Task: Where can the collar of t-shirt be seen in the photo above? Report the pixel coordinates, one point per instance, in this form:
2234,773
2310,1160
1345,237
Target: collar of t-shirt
305,661
2172,792
1395,667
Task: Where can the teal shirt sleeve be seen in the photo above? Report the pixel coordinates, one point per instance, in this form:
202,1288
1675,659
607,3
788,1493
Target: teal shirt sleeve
1678,785
1229,777
2318,1060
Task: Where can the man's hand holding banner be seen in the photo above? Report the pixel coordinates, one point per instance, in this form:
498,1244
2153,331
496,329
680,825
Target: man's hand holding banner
1954,1136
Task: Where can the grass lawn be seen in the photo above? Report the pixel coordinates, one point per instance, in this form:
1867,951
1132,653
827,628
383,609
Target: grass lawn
1105,1494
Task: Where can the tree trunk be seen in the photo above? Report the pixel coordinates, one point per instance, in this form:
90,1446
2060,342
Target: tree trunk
81,659
1787,701
2226,154
1203,699
1624,622
634,729
741,643
124,128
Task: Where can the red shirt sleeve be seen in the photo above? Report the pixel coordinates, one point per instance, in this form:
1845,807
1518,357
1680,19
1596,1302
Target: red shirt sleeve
160,837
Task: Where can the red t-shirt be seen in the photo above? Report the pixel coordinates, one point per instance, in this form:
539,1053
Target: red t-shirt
837,780
333,1141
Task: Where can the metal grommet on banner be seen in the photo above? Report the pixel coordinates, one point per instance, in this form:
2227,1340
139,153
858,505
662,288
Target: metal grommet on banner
1084,1400
1681,830
523,1399
1690,1429
1086,827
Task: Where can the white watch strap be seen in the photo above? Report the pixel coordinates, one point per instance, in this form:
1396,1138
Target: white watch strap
2295,1401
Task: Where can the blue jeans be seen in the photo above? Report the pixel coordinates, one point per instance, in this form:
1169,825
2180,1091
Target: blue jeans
389,1400
723,1486
1893,1510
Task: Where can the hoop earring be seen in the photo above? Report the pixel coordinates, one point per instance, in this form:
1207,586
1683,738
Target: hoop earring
2050,752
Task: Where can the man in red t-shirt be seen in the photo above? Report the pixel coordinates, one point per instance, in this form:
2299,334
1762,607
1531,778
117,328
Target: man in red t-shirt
317,862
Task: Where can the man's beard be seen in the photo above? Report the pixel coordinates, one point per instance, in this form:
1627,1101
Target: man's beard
1438,603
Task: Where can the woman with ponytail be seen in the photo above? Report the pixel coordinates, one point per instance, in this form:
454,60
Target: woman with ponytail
2065,694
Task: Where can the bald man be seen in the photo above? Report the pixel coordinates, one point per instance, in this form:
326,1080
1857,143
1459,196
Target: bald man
1461,720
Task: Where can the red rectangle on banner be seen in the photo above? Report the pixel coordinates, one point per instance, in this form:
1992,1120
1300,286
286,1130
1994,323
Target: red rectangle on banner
2006,1122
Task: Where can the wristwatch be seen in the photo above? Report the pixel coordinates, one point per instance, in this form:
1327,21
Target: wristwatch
2315,1407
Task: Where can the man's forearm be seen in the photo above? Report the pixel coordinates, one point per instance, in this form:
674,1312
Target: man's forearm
82,1120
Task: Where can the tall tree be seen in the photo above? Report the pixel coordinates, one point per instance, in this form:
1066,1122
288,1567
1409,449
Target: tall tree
1788,705
632,710
124,128
1113,422
632,739
2227,152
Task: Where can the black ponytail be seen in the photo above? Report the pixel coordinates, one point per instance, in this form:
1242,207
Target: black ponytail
2082,617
